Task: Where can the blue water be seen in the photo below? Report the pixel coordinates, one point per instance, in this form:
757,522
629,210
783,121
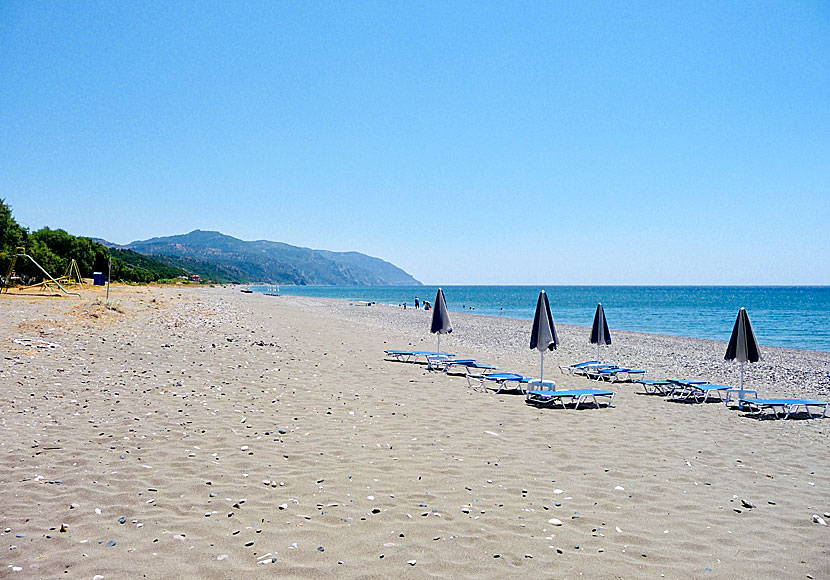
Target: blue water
787,316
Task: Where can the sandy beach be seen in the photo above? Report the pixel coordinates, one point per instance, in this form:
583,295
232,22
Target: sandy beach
204,433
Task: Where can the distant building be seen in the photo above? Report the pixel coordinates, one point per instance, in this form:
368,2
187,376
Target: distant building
196,278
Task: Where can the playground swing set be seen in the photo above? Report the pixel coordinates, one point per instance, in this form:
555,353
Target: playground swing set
72,276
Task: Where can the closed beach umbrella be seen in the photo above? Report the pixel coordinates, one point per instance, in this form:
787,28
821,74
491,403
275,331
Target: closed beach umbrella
543,336
599,330
440,317
743,346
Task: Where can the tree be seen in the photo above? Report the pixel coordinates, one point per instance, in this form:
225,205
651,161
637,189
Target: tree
55,249
12,235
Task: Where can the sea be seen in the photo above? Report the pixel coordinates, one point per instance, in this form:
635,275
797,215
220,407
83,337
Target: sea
786,316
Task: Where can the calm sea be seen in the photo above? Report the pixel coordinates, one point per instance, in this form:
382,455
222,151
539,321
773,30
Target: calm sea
787,316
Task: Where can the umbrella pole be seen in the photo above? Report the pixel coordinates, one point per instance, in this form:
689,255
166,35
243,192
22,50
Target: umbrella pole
542,370
439,343
741,392
742,379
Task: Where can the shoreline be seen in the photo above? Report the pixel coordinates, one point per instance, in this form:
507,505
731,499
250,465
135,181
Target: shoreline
204,433
573,327
667,319
784,371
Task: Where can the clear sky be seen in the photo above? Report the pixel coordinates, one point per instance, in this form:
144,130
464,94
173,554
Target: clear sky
468,143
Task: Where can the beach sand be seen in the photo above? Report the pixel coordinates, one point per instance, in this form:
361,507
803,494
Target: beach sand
204,433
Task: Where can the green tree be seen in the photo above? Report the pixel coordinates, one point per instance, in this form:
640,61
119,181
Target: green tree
12,234
55,249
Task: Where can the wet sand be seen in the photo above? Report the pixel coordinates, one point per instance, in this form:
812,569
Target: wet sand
212,434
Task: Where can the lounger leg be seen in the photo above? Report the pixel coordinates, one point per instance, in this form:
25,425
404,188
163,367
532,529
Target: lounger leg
470,379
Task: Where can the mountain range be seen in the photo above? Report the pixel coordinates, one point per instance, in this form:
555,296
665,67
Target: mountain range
224,258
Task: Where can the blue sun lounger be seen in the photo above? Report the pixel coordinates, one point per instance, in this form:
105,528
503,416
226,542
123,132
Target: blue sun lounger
470,367
656,387
540,397
414,355
614,374
500,382
571,369
439,362
785,407
591,369
697,391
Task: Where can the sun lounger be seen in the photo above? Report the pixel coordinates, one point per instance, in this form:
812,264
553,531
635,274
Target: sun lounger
614,374
439,362
699,392
497,382
414,355
591,369
677,384
571,369
473,367
783,408
656,387
541,397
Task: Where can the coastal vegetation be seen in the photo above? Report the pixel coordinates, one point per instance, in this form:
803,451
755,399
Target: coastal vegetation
54,249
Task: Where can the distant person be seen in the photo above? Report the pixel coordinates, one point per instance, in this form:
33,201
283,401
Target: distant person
404,305
417,303
427,306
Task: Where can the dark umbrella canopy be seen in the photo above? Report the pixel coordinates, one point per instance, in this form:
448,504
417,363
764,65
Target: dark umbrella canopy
543,337
440,318
599,330
743,346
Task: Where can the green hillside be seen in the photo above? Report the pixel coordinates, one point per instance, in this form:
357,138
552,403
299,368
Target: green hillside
229,259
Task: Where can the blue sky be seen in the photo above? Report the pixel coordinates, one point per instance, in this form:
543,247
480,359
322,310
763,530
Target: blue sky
482,142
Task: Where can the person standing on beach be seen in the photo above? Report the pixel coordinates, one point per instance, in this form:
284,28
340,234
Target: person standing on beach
417,303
